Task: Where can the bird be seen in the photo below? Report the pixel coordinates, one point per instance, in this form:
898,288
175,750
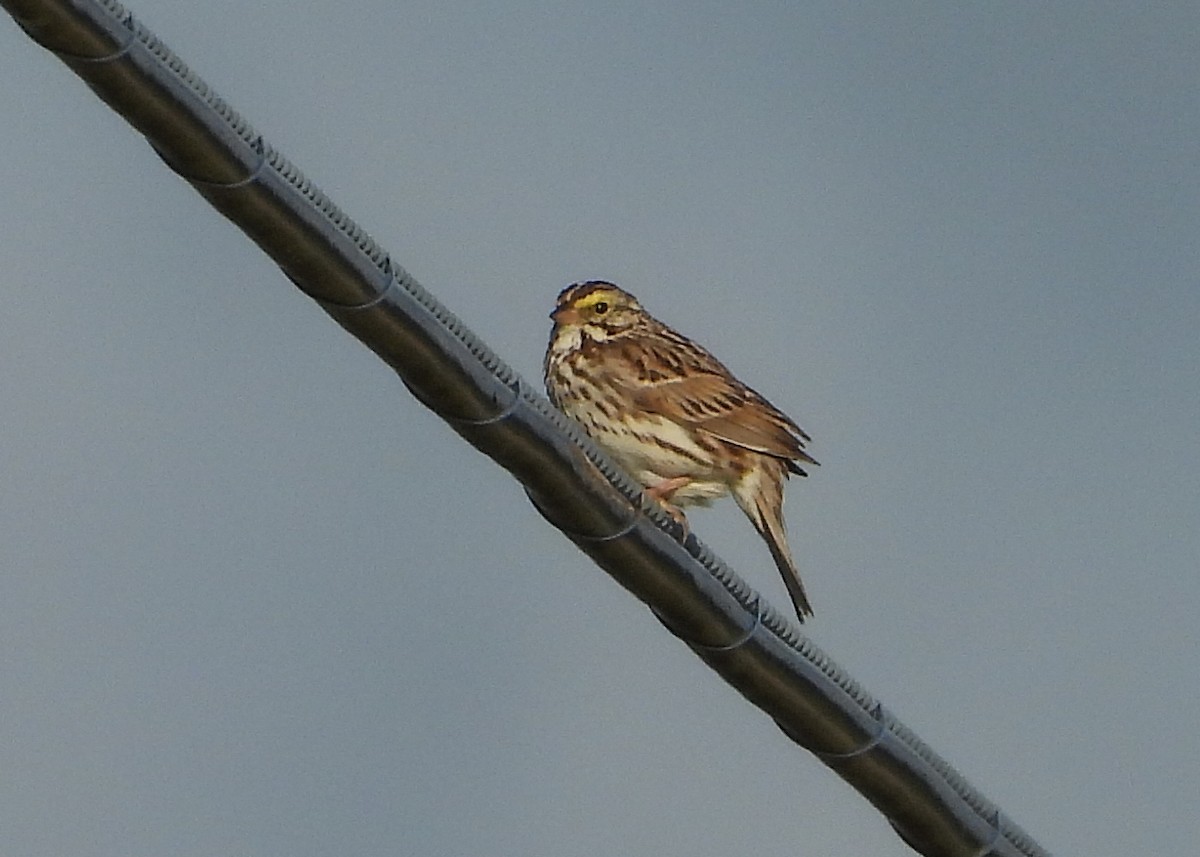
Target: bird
672,416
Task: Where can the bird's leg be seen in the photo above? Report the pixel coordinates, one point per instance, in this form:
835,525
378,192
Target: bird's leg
663,490
662,493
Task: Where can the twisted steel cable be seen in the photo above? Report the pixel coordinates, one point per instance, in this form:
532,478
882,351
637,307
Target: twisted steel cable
570,481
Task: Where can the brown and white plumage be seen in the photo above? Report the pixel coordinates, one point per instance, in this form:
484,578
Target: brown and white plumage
672,415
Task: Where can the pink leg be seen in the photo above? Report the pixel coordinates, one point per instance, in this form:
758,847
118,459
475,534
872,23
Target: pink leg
663,490
662,493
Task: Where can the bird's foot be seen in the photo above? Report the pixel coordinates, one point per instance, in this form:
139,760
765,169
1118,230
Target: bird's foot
662,493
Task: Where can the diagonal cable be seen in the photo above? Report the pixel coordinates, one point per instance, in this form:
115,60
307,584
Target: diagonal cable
572,483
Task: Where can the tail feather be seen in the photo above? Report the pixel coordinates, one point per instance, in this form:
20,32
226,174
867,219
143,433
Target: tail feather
761,498
776,540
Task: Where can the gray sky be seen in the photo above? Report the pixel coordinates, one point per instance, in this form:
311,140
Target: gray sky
256,600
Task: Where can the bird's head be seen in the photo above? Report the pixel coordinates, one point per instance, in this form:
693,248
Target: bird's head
597,309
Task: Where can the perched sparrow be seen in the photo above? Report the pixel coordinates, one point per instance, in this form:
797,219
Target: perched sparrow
671,415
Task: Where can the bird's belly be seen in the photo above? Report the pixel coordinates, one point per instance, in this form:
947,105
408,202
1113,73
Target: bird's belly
654,449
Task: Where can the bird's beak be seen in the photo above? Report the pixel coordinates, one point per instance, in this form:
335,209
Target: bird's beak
565,315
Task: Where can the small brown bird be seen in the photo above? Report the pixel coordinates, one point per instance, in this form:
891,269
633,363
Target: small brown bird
672,415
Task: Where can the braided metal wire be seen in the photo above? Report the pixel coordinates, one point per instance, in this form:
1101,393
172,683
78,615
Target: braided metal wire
573,483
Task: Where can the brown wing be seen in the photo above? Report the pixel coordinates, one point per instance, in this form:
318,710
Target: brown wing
699,392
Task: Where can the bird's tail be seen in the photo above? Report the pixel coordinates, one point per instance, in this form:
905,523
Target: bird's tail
761,498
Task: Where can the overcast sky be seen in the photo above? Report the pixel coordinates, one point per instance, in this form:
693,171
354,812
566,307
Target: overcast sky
255,600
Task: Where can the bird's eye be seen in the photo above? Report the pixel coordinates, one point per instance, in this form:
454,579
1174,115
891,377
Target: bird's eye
601,307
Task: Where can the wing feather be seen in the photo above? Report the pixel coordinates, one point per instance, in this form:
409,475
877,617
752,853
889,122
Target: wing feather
700,393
